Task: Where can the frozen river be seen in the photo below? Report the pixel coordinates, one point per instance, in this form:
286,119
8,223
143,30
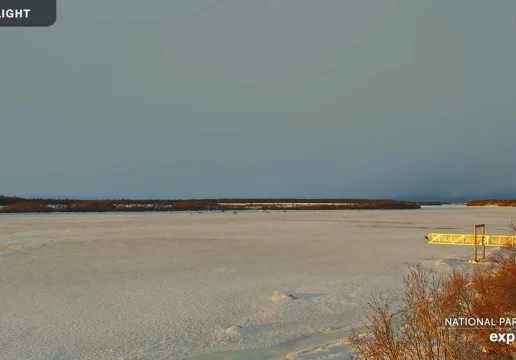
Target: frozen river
175,286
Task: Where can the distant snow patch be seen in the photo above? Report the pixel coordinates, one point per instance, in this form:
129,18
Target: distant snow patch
279,297
233,332
238,333
57,206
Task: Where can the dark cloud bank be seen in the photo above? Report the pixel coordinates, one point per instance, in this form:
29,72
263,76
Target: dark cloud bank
184,99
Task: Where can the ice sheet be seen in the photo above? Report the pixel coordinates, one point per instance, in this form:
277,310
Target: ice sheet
173,286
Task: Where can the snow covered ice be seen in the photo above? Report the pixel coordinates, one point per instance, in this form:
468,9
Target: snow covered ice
284,285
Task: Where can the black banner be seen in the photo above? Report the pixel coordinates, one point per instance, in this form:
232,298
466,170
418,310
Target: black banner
30,13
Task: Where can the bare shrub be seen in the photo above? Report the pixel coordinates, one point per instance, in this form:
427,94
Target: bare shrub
385,340
501,255
418,330
495,288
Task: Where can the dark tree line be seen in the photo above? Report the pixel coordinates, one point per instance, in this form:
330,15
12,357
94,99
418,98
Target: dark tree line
494,202
22,205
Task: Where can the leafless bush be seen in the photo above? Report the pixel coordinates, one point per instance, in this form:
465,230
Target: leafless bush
501,255
418,331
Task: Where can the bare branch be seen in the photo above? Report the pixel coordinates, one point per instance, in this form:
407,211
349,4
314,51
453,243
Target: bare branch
418,331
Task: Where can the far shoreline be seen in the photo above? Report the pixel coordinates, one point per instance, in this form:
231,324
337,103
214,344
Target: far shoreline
492,203
18,205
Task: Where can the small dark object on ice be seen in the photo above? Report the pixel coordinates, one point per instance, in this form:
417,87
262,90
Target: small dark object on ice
292,297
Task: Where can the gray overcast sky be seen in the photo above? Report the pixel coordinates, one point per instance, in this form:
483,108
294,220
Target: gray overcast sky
199,98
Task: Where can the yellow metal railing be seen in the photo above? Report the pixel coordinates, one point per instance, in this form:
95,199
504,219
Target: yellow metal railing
478,238
469,239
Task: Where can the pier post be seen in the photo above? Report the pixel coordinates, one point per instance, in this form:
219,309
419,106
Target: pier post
474,244
483,256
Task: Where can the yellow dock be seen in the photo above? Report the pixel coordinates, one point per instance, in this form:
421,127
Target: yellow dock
469,239
478,238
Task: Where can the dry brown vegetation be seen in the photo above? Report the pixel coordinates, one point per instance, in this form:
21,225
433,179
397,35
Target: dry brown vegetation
506,202
20,205
418,331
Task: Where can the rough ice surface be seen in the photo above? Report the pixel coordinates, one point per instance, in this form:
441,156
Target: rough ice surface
211,285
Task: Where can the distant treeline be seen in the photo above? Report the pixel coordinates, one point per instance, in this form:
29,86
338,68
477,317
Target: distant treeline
492,202
22,205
